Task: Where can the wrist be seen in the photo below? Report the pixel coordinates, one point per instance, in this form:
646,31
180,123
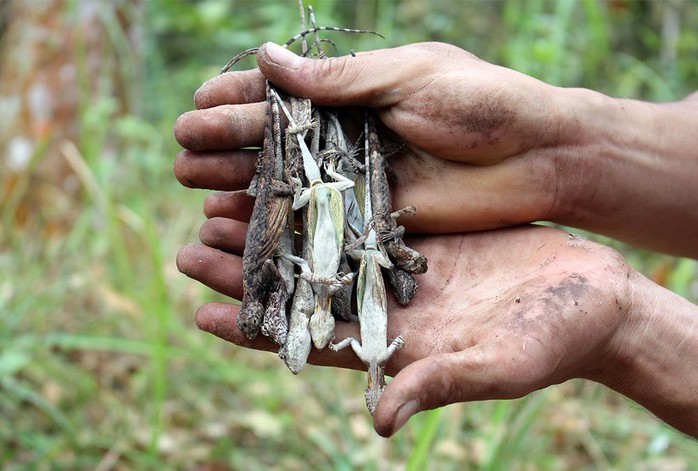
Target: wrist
585,159
627,169
652,355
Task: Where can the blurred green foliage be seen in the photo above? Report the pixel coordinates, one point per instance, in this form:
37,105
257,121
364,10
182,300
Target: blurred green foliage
100,364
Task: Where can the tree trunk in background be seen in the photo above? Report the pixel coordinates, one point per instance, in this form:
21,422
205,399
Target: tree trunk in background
57,59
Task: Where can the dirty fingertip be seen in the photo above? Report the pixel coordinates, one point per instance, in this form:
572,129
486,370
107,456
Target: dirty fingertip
185,256
280,56
202,96
219,320
392,421
394,408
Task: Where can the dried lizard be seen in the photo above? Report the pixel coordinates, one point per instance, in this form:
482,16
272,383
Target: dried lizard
275,322
325,226
407,260
267,223
372,303
338,157
298,341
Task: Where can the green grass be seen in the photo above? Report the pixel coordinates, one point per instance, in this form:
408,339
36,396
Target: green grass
101,365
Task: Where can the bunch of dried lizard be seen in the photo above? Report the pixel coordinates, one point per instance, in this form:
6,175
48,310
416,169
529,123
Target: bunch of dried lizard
310,169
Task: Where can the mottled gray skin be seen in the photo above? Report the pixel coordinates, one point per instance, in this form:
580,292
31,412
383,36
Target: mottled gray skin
385,220
267,224
298,341
373,325
404,285
275,323
324,224
371,302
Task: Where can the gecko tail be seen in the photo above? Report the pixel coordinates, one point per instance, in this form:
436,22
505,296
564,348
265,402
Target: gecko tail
375,387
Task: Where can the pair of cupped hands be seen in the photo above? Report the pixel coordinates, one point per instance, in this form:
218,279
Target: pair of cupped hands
506,308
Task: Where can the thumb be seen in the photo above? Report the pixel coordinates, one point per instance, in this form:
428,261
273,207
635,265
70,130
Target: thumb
366,79
439,380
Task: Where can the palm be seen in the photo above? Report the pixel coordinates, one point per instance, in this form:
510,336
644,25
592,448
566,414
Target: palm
499,314
530,294
531,300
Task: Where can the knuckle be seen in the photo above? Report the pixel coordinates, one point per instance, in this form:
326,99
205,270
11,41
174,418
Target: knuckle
333,72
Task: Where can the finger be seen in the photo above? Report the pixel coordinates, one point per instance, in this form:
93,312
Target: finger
232,88
225,171
478,373
220,320
224,234
233,205
216,269
236,205
376,78
224,127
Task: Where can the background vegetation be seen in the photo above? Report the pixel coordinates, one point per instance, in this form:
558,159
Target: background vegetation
101,366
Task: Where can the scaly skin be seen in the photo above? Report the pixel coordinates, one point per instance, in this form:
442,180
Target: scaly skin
407,261
267,224
371,300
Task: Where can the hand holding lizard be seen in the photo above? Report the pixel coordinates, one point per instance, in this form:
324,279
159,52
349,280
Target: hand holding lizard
486,146
500,314
581,312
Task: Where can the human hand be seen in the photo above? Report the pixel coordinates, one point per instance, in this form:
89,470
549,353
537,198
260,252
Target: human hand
486,146
647,355
498,315
466,123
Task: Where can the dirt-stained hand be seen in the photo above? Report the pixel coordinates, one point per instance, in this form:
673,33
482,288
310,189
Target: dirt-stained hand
478,135
499,314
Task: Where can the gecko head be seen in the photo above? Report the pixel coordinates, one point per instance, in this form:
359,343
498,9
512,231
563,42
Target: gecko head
295,352
375,387
250,317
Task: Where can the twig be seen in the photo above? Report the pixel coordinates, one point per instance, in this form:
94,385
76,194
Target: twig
295,38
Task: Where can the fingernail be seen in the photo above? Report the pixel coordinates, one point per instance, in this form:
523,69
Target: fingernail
282,56
403,414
